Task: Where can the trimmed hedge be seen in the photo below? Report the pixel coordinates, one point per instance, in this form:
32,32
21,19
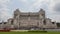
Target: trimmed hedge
4,30
33,31
37,31
19,30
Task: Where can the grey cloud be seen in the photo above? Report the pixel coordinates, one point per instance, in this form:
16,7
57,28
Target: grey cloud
57,7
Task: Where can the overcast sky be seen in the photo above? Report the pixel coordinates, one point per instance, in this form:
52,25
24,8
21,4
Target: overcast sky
52,8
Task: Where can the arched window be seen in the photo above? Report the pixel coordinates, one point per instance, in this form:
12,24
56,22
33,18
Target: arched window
44,22
15,15
38,23
53,22
12,22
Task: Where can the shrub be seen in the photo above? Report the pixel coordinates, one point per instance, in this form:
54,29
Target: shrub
37,31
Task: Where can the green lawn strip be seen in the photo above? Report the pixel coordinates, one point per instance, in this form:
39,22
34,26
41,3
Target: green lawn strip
53,32
20,33
49,32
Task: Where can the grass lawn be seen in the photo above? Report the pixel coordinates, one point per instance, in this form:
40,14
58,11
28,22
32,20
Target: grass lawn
29,33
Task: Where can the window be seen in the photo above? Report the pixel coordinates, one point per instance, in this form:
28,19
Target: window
12,22
15,15
58,24
42,14
37,23
53,22
4,22
44,22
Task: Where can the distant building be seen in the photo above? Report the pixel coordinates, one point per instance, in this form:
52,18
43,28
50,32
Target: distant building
3,25
58,25
30,20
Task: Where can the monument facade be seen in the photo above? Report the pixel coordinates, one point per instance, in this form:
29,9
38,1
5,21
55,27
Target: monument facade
29,20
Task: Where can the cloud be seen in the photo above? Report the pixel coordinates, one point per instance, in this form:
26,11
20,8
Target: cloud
4,11
53,4
40,4
34,5
56,7
52,7
23,0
